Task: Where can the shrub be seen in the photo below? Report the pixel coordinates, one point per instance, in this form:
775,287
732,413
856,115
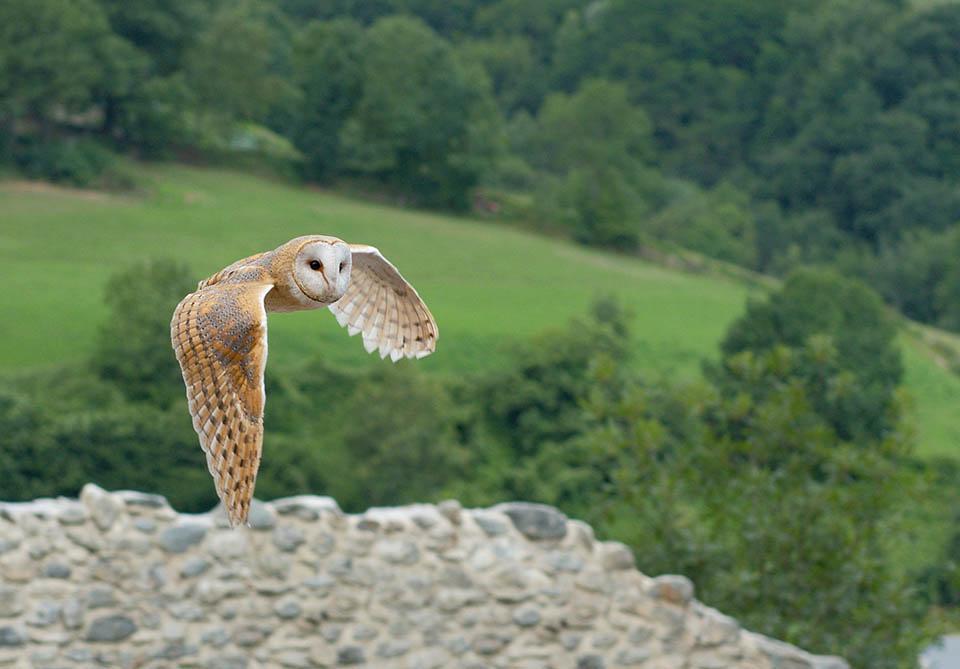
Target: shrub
74,161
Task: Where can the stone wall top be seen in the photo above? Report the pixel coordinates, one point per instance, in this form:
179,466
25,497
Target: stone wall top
122,580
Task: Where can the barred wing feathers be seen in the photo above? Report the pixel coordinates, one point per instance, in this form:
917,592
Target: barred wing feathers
219,336
385,308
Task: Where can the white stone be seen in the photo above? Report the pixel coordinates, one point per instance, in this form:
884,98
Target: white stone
103,507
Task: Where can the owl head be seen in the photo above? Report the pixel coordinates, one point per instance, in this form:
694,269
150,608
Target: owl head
321,269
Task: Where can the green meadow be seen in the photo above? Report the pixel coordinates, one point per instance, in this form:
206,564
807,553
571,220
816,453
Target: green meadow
486,283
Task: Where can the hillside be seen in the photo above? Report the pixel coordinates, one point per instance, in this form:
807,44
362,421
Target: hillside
486,283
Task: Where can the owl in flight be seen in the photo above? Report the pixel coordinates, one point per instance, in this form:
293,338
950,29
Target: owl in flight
219,334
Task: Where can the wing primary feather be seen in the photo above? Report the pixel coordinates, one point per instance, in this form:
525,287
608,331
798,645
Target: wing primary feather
389,316
225,400
374,332
366,310
382,306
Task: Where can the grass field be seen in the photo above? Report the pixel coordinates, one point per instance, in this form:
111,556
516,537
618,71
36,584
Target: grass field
485,283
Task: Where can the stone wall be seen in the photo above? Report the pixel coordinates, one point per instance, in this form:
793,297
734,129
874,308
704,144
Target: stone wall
122,580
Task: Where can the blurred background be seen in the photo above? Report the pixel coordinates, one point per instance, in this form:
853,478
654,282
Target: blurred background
696,266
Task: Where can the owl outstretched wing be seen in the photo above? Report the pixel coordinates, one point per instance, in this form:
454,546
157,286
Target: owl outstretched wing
388,311
219,334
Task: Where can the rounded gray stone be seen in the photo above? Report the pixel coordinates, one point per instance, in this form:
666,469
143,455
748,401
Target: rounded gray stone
364,632
537,522
56,570
262,516
194,566
228,662
11,637
673,588
397,551
84,655
570,640
428,658
526,616
634,657
331,633
44,614
288,538
104,507
565,561
72,614
368,525
615,556
349,655
604,641
174,650
641,634
393,648
43,656
287,609
215,637
100,596
11,605
490,524
145,525
144,500
323,544
72,514
451,510
178,538
306,507
488,644
111,628
250,635
590,662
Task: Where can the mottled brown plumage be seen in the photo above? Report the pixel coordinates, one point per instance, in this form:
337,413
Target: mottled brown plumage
219,335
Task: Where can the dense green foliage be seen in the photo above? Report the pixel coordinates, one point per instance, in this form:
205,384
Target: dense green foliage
765,134
850,365
141,299
508,284
675,470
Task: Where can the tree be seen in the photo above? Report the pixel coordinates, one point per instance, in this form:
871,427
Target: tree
742,483
537,19
229,66
911,273
595,145
146,104
717,223
133,350
854,368
162,29
516,76
938,104
521,440
689,64
400,440
50,59
923,49
425,124
862,185
328,67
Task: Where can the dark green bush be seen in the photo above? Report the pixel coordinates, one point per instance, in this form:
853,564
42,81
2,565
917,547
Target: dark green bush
77,161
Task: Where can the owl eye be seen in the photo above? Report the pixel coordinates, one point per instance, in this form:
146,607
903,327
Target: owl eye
316,265
342,265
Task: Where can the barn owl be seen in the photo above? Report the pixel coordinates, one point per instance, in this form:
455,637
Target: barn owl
219,335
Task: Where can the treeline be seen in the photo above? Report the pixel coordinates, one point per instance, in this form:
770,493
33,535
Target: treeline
768,134
778,481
